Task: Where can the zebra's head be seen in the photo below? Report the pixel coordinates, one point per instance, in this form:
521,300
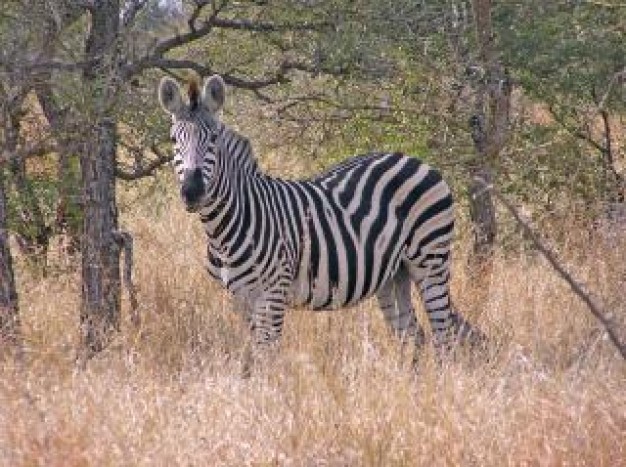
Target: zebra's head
194,132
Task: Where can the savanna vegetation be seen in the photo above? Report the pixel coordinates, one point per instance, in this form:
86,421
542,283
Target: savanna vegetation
100,368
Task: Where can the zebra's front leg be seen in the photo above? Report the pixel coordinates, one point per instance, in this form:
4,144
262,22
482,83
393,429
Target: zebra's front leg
266,325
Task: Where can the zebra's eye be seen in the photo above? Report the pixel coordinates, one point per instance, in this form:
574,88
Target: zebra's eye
173,139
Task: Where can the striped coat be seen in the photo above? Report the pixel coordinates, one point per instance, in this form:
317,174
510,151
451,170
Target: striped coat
373,225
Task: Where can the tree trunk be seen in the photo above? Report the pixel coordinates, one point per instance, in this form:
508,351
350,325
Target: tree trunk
9,317
489,126
101,286
100,312
10,331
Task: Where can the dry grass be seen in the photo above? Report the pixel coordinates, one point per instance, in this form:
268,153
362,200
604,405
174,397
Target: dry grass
171,393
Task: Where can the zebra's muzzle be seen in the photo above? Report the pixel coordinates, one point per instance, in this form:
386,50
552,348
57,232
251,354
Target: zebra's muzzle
192,189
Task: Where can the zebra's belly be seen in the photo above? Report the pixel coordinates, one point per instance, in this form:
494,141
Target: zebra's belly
358,278
324,297
348,259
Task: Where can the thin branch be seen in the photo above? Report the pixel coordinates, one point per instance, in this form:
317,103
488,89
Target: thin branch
577,132
235,81
618,77
37,66
260,26
279,76
608,148
606,5
601,316
200,4
146,170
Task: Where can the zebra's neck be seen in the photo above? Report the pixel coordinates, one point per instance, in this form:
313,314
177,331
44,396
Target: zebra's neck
239,177
236,156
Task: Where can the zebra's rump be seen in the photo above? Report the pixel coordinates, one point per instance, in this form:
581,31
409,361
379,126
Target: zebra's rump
363,218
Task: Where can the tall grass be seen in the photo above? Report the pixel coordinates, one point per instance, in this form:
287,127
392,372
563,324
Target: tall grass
338,393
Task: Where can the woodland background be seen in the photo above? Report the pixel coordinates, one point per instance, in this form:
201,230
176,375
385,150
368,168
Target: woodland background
529,96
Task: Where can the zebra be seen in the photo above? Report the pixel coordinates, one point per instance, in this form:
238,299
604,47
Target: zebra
373,225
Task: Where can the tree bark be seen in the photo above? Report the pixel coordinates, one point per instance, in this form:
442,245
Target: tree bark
101,285
100,312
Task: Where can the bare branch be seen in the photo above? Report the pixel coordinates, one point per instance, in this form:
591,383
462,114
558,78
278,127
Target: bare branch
619,77
606,4
238,82
602,317
577,132
146,170
37,66
251,84
197,31
260,26
200,4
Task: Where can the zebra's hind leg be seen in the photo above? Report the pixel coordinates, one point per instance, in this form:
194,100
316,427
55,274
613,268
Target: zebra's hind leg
449,327
468,334
406,312
394,299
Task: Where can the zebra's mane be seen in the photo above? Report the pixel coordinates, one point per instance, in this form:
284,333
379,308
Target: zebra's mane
240,152
193,93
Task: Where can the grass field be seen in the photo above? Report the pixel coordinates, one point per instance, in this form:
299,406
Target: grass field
171,392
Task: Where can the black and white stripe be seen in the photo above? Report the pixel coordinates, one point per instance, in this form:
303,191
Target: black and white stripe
373,225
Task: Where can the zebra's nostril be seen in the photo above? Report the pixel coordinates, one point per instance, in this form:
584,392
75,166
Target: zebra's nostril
193,186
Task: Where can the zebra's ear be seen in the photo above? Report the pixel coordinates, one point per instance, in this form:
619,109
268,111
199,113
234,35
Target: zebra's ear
169,96
214,93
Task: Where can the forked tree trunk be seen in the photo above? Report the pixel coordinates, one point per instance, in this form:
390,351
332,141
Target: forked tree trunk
101,286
